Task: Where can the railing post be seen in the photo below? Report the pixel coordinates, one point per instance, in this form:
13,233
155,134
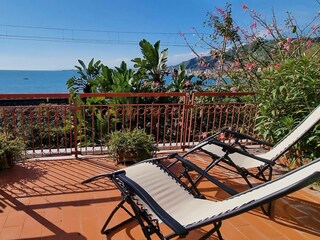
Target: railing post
75,127
185,116
189,125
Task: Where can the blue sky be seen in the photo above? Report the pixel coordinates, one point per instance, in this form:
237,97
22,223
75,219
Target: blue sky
45,34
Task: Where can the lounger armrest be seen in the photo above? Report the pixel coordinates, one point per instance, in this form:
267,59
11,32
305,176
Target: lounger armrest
194,167
245,136
231,149
135,188
97,177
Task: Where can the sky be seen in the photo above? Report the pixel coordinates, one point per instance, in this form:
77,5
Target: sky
53,35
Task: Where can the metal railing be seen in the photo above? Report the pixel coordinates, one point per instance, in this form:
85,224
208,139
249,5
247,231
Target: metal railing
77,128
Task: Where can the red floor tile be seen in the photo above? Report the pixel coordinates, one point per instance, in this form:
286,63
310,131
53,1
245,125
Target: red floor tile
46,200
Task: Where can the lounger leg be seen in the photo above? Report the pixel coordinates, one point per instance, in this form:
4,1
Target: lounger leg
104,229
148,226
148,229
216,228
260,175
267,208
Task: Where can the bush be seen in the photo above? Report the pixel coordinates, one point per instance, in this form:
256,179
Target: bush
131,145
278,62
10,150
286,96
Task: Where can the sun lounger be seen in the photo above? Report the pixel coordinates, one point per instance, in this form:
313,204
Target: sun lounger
241,161
156,196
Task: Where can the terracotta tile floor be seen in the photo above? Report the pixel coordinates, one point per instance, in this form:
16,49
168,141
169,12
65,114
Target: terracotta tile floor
45,200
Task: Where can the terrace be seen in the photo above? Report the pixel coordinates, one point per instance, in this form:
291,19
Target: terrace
43,198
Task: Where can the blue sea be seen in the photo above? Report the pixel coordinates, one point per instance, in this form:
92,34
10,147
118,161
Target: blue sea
26,81
21,81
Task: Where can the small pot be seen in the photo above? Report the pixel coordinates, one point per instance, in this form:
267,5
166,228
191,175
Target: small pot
124,157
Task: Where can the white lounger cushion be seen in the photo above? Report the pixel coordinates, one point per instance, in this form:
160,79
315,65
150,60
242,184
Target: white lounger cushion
248,162
186,209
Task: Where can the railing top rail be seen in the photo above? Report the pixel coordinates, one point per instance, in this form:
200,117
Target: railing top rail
126,94
221,94
84,95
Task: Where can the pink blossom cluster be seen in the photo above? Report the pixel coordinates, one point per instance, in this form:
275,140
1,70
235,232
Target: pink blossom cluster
249,66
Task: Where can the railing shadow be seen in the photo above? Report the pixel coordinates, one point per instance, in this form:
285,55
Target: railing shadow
21,173
301,214
46,180
58,232
56,177
74,235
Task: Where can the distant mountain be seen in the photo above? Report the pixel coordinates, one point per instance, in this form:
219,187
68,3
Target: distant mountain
193,63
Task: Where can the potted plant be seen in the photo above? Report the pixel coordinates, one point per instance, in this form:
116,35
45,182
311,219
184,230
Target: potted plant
131,145
10,150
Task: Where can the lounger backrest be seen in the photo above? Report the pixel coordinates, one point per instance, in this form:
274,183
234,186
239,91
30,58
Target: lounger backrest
295,135
160,186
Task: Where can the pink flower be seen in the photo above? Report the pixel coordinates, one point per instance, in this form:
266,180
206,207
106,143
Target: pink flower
308,43
244,7
286,46
220,11
288,39
277,66
204,134
268,30
222,136
253,25
250,66
314,28
202,64
187,83
236,64
233,89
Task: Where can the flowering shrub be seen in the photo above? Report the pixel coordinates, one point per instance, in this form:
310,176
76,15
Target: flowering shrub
280,64
287,95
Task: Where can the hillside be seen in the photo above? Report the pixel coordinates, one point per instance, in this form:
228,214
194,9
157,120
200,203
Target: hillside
259,52
193,64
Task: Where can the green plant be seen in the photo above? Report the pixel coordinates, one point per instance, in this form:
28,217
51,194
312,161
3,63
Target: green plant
87,81
287,94
131,145
182,82
152,66
280,63
10,150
